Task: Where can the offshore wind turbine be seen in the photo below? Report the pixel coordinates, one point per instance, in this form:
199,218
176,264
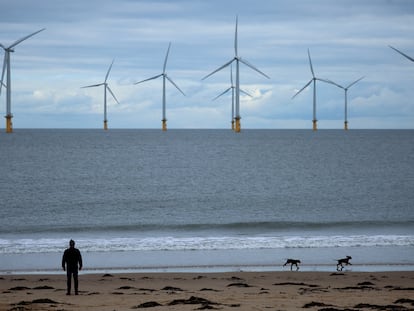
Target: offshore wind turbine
346,99
6,66
232,88
403,54
314,79
238,60
106,87
164,77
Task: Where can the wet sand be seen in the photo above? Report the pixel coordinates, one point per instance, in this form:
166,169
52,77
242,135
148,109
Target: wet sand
326,291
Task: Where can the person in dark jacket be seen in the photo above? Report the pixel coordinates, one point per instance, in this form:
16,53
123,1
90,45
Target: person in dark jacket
71,260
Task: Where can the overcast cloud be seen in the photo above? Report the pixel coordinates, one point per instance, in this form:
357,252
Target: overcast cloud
347,39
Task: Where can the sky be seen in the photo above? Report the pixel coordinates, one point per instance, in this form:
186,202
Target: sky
347,39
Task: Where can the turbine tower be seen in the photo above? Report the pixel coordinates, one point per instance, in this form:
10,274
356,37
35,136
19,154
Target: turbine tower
346,99
405,55
314,79
6,64
106,87
238,60
232,87
164,77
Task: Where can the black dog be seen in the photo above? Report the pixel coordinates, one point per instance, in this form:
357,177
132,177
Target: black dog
292,262
342,262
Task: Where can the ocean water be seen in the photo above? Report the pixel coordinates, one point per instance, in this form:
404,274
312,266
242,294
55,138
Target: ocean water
207,200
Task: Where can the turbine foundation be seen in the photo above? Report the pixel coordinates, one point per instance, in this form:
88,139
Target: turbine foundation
164,124
315,125
9,124
105,125
232,124
346,125
238,128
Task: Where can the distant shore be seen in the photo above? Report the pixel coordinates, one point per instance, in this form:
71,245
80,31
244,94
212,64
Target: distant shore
200,291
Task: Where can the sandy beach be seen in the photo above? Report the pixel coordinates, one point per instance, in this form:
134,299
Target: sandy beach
216,291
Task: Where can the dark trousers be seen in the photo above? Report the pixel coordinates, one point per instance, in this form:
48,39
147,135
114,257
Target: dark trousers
69,275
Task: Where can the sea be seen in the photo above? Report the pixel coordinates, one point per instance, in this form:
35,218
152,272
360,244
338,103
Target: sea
206,200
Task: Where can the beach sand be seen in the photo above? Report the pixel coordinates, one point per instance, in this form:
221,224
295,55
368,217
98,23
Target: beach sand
215,291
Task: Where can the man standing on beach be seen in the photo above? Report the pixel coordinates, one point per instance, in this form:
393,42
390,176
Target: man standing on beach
70,261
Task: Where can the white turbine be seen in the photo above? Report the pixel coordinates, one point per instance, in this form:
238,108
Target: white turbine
164,77
346,98
238,59
106,87
314,78
7,86
405,55
232,87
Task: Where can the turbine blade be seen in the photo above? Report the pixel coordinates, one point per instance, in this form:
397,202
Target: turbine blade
306,85
330,82
254,68
231,75
83,87
221,94
403,54
354,82
244,92
2,73
110,67
24,38
166,58
152,78
310,63
224,66
235,37
172,82
113,95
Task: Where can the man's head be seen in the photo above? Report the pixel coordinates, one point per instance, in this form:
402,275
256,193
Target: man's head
72,243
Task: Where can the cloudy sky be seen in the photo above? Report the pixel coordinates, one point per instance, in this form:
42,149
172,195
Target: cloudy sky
347,39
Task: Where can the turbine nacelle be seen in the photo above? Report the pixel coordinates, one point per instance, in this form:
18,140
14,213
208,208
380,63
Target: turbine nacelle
7,49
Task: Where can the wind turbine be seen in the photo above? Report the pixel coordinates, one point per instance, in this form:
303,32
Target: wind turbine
164,77
346,99
232,87
106,87
405,55
6,64
314,79
238,59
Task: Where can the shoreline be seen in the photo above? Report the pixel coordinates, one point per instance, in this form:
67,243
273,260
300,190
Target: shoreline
369,259
198,291
372,268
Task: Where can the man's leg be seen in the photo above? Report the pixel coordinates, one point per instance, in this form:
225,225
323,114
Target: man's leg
68,281
75,279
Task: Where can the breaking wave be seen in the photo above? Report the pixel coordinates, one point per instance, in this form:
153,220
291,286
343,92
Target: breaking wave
170,243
